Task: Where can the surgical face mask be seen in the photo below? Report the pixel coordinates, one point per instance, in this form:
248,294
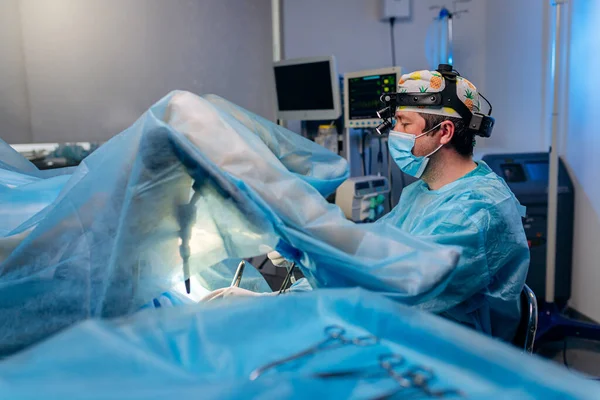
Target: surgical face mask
401,145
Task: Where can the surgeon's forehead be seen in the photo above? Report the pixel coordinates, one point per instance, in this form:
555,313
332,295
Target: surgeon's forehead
406,115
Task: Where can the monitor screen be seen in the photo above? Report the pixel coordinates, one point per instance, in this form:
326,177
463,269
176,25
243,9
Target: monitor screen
364,93
538,171
304,87
513,173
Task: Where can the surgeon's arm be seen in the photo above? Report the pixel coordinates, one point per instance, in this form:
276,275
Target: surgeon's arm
472,273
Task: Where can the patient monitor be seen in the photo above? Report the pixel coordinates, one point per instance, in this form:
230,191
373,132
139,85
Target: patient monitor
307,89
362,93
362,101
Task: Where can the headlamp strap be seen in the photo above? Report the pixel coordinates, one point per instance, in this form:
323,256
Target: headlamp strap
450,99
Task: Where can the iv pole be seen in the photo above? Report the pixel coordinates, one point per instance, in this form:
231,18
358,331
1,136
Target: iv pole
553,177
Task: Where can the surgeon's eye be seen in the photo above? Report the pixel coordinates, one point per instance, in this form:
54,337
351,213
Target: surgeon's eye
398,122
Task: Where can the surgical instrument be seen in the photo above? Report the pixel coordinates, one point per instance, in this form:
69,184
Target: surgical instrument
334,338
237,278
386,361
287,278
187,217
417,377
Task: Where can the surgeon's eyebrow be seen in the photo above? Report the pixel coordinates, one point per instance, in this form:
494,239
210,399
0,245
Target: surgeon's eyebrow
402,117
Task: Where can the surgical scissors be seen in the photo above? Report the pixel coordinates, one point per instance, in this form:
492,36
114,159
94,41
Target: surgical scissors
334,338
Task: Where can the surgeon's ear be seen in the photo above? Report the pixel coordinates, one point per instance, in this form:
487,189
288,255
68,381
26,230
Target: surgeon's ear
446,132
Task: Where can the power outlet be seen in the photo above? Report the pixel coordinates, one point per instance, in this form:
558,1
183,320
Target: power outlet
399,9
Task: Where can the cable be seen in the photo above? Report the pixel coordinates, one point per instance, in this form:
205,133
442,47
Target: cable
370,159
392,21
389,168
379,157
362,155
389,160
565,353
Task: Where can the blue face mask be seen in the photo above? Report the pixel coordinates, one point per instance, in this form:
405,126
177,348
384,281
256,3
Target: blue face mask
401,145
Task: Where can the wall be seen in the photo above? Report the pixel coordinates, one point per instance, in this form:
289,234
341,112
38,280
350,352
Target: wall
516,57
93,67
351,30
582,154
14,109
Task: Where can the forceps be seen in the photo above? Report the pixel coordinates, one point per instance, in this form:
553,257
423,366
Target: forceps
288,278
417,377
386,362
334,338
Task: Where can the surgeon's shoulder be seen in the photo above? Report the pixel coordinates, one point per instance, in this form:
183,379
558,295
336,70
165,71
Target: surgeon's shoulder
487,200
489,188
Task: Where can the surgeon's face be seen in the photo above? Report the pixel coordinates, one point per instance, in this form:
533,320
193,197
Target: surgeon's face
412,123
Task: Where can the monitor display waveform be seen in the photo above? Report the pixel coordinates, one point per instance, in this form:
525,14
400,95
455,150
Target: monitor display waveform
361,104
364,95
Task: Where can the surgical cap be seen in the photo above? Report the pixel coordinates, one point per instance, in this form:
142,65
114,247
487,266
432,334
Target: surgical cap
433,82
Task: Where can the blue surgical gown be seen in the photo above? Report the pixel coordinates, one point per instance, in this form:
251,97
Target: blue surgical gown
480,214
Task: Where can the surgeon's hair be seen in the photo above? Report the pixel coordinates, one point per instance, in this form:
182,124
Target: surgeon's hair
463,140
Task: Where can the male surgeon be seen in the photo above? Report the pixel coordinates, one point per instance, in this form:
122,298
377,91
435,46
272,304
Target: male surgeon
457,202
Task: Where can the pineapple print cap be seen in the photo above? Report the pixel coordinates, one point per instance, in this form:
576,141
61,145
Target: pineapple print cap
432,82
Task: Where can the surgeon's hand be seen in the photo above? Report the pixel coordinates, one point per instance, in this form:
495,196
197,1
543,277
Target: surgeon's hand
278,260
233,291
